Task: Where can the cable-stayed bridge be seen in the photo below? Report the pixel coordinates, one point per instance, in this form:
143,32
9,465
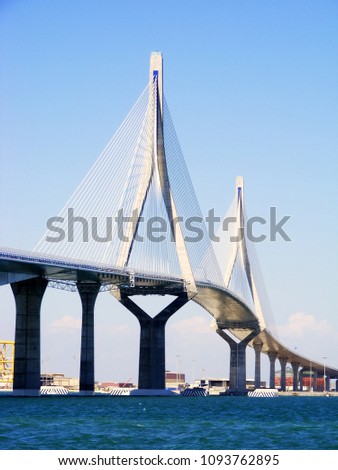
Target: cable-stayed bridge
134,227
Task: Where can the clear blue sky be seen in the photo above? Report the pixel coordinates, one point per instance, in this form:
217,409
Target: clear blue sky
252,90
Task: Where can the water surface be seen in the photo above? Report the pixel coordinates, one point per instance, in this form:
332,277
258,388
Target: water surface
197,423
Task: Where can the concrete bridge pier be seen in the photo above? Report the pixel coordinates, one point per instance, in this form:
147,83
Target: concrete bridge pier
88,293
314,381
28,296
283,361
327,383
237,385
258,349
272,358
152,341
301,380
295,367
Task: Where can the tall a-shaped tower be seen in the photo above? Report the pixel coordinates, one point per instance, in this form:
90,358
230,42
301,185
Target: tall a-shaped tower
154,186
238,273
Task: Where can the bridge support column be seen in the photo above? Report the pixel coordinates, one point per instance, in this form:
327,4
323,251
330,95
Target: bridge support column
152,341
88,293
314,381
258,349
336,385
295,367
283,361
301,380
272,357
237,378
327,383
27,368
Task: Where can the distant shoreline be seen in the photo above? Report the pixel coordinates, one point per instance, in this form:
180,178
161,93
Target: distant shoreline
308,394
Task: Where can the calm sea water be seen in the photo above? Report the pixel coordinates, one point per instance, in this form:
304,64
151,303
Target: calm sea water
164,423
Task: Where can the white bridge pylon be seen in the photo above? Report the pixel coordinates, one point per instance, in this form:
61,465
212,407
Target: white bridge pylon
155,179
232,253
